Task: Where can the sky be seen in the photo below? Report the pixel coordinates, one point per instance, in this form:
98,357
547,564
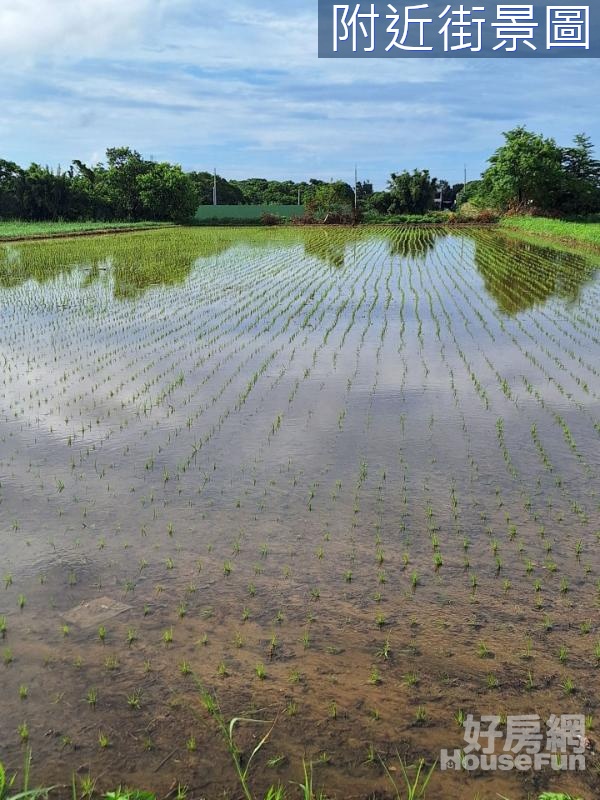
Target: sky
237,86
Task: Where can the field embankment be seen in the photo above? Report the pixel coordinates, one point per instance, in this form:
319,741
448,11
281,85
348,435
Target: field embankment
582,234
11,231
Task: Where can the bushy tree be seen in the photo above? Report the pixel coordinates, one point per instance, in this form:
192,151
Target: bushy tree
121,181
364,190
379,202
525,171
12,179
332,200
468,193
167,193
412,192
532,171
581,194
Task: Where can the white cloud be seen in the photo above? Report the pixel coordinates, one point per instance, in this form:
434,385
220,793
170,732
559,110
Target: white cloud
31,30
239,84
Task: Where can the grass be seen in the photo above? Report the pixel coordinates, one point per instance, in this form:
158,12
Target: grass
587,233
241,764
26,230
415,785
209,215
7,783
416,777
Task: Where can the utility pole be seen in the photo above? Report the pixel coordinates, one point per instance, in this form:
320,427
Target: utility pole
298,196
215,188
355,187
465,183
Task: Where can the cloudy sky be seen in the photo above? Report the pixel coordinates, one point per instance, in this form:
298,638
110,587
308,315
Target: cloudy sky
237,85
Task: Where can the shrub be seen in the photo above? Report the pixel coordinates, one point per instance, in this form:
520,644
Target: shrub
270,219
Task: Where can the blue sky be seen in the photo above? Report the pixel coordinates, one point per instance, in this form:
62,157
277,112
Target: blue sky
238,86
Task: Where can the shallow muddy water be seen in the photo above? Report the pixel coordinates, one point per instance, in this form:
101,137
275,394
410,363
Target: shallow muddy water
347,480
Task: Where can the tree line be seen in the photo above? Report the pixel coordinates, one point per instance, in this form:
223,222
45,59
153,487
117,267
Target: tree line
128,187
528,172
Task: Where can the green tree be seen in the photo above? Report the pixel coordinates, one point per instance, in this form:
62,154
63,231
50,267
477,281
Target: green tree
582,177
227,193
364,190
379,202
468,193
527,170
167,193
411,192
120,182
11,189
333,200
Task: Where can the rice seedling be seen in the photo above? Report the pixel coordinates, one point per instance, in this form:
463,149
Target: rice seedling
134,699
385,651
222,670
174,370
92,697
492,681
111,663
103,740
411,679
482,650
420,716
529,683
567,686
374,677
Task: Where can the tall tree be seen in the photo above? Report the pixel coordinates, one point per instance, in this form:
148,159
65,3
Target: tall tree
411,192
167,193
582,177
525,171
125,166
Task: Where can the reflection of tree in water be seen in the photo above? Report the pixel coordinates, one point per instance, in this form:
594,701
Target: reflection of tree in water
413,242
330,248
519,275
134,262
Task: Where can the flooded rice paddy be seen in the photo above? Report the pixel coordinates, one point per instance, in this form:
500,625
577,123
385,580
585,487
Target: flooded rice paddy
345,479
